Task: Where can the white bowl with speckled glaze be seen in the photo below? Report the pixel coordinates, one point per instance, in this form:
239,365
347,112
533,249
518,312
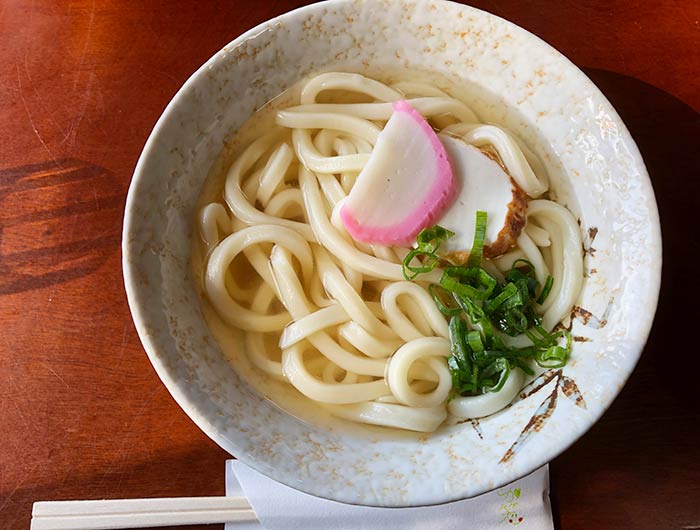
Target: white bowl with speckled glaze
519,81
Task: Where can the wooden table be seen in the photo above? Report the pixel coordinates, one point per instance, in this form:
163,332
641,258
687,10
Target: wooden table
83,414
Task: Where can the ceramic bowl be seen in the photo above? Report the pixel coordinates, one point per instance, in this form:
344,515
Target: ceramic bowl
516,80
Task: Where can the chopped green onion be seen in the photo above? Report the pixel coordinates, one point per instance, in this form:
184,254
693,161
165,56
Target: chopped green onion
526,263
522,273
472,282
477,251
443,300
428,242
474,341
480,361
460,364
515,322
508,292
486,357
501,366
519,363
555,356
427,266
433,237
458,333
545,290
536,339
473,311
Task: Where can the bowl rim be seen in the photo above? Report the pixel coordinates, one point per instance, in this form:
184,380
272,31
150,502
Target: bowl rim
136,300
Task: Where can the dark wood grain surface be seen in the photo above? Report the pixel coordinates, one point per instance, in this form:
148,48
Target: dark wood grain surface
83,414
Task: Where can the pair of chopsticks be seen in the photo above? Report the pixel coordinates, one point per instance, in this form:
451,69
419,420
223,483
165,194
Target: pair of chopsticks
139,513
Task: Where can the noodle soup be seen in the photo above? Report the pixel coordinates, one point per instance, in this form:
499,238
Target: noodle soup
338,327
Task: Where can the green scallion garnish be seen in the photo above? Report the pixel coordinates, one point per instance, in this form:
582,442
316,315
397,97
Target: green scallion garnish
477,251
480,307
444,300
427,243
545,290
473,282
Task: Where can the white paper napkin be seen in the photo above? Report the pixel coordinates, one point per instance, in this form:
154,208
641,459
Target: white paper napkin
524,503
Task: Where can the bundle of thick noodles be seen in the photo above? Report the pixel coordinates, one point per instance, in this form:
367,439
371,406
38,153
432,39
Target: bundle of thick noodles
334,317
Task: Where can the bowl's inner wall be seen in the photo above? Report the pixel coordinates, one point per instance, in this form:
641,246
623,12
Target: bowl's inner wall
527,87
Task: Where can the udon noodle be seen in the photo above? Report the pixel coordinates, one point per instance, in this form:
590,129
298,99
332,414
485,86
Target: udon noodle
335,318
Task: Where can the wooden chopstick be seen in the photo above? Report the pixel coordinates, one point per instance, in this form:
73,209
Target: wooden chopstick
137,513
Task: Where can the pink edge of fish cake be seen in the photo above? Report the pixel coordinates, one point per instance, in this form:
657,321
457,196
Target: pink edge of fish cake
440,194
